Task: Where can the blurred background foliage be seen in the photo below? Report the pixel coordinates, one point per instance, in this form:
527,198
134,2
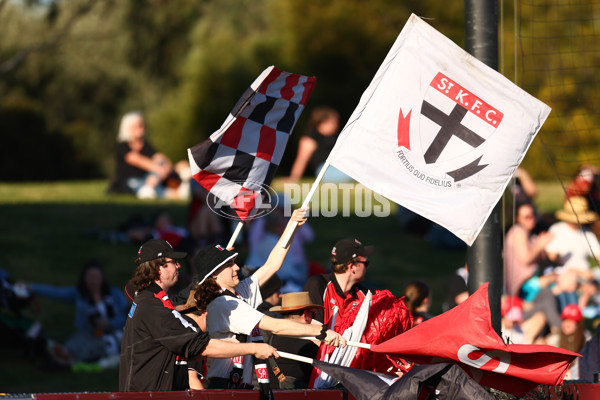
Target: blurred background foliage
69,69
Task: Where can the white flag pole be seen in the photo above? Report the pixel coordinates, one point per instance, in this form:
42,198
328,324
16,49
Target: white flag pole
295,357
306,201
348,342
235,234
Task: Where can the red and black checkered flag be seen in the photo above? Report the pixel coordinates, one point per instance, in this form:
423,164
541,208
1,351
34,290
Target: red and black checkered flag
240,158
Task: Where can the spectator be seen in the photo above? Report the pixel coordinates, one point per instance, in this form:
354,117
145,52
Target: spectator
589,363
143,171
524,189
295,307
100,312
522,252
573,244
314,147
521,190
341,289
573,335
17,329
156,334
232,308
195,368
515,328
456,288
270,292
417,298
586,183
583,182
572,332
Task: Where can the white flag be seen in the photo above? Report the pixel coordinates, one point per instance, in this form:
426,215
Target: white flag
438,132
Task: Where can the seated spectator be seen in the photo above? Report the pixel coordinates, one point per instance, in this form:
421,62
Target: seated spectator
295,307
417,298
100,313
521,190
582,183
515,328
573,335
18,330
586,183
522,252
573,244
456,288
137,230
314,146
143,171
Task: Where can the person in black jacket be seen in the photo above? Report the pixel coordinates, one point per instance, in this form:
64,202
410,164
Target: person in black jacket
156,334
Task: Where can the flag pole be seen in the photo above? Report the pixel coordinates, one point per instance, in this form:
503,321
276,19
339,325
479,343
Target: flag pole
306,202
295,357
348,342
235,234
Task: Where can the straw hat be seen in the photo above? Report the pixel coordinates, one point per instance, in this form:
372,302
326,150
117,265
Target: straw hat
576,211
190,304
296,301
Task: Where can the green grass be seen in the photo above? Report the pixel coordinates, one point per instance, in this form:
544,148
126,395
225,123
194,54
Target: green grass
41,240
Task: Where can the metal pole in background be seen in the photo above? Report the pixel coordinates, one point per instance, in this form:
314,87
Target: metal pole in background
484,257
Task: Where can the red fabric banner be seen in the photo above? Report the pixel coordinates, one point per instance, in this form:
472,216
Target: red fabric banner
465,335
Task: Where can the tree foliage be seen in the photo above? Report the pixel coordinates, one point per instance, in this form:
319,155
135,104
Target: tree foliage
83,63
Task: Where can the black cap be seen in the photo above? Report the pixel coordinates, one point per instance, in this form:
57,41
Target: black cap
157,248
270,287
211,258
347,249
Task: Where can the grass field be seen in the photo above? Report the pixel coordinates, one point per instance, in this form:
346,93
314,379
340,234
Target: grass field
42,240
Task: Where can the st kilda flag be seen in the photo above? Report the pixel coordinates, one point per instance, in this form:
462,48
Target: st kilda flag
238,161
438,132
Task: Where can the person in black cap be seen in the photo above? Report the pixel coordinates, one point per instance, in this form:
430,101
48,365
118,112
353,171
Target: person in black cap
340,290
232,308
156,334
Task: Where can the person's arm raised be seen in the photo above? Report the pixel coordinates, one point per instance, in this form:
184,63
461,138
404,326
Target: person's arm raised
279,252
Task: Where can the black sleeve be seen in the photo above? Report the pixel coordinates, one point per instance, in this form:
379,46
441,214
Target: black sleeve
177,333
315,286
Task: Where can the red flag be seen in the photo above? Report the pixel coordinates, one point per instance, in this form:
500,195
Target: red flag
465,335
388,317
239,160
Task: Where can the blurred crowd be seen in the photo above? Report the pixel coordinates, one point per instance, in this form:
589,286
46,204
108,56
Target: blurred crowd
550,294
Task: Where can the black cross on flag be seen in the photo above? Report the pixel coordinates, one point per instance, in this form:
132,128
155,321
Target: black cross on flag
438,132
